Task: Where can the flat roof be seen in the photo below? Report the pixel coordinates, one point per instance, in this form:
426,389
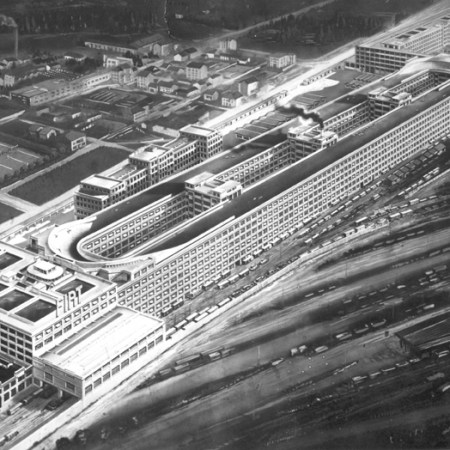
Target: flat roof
199,131
101,341
173,186
429,333
124,172
101,181
298,172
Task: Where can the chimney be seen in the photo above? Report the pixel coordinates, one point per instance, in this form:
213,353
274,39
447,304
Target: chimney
16,41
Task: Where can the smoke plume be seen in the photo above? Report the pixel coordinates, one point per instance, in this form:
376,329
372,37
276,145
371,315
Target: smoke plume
306,115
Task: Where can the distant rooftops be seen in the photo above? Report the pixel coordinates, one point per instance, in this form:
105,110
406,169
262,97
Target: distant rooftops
196,65
197,130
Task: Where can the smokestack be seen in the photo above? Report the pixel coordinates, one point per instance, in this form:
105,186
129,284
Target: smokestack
16,42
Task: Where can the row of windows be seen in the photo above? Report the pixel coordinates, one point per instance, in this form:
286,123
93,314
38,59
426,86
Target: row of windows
344,177
114,369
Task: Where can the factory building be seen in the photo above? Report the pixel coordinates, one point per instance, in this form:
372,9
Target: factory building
215,236
50,309
393,53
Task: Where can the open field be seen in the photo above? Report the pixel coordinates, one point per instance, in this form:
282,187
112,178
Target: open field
15,158
62,178
7,212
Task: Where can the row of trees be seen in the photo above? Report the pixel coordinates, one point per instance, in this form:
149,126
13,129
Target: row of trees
337,27
23,171
108,19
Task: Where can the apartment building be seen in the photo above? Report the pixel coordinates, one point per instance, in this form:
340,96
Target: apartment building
281,61
196,71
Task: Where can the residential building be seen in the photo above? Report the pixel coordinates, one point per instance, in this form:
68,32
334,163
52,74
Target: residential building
281,61
75,140
144,78
163,48
248,86
115,61
232,99
226,45
196,71
123,75
42,132
211,95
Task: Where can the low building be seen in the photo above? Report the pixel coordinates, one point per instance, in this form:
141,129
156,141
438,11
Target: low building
167,87
41,132
75,140
215,80
211,95
187,54
232,99
196,71
54,89
226,45
74,56
102,354
26,73
140,46
163,48
114,61
428,336
248,86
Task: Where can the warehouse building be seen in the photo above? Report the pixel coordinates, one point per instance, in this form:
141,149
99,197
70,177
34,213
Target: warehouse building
104,353
428,336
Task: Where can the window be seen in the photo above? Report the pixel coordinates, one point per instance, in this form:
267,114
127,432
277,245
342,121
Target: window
48,376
